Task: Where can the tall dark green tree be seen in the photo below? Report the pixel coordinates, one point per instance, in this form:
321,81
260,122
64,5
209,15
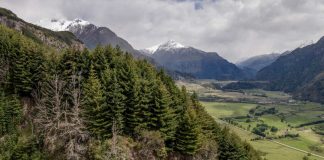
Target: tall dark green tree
162,117
186,141
134,104
10,114
94,105
114,98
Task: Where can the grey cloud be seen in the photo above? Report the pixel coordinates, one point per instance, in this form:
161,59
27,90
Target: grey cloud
234,28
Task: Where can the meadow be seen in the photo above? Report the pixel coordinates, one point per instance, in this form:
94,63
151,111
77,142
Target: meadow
244,110
294,116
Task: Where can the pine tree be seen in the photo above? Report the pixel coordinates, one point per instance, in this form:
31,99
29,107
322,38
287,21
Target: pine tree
174,92
162,117
93,105
230,146
134,104
186,136
10,114
114,98
99,61
144,102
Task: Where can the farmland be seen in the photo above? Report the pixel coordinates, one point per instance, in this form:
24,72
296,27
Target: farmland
274,116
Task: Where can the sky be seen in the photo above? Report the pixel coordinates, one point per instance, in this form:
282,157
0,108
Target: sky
235,29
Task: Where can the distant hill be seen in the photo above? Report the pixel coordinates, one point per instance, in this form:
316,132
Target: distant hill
58,40
298,71
203,65
256,63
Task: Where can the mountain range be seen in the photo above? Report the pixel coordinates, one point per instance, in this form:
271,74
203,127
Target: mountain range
90,34
203,65
172,56
256,63
299,72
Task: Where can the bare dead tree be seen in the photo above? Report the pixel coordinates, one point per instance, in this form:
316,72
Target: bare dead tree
78,136
114,139
58,116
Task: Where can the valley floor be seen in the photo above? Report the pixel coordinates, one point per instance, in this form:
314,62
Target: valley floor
290,129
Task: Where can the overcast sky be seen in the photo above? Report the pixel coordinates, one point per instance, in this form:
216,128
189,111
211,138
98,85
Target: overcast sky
235,29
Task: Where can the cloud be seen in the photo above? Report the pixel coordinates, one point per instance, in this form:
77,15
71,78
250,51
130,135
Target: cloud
233,28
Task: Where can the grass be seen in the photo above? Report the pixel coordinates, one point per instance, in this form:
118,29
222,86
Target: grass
290,114
294,115
221,110
272,151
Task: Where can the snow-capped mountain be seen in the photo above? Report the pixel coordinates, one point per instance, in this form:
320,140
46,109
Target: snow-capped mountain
169,45
174,56
90,34
62,25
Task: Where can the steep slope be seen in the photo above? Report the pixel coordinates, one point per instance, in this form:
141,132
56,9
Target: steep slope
90,34
292,71
300,72
58,40
204,65
313,91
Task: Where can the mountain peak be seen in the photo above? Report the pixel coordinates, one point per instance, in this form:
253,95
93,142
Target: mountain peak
62,24
170,44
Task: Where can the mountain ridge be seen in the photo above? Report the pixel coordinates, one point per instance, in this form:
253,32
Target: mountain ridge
91,34
59,40
294,72
203,65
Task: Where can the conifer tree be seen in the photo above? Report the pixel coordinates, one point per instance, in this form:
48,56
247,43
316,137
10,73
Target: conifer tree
114,98
99,61
144,102
162,117
10,114
134,104
186,141
230,146
93,105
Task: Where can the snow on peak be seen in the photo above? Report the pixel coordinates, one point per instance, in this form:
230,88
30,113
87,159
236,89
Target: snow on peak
171,44
62,24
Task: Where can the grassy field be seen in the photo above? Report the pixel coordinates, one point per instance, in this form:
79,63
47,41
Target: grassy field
287,116
294,115
223,109
205,90
271,150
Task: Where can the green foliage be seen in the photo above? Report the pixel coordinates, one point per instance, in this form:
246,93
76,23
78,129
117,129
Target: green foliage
25,60
10,114
119,96
94,103
186,135
115,100
274,129
17,147
108,149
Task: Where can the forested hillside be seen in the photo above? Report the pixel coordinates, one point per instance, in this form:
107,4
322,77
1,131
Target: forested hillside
101,104
298,72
